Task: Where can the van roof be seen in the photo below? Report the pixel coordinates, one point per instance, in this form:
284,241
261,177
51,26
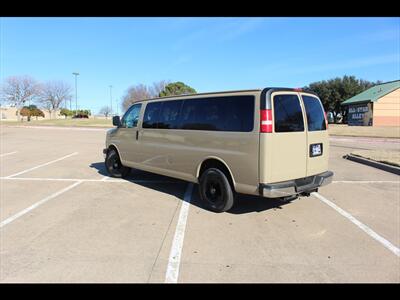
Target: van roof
228,92
200,94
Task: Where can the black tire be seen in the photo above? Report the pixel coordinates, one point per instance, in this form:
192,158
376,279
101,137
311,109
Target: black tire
216,191
114,166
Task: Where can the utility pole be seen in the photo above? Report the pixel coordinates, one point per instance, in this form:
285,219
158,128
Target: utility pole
116,101
111,99
76,92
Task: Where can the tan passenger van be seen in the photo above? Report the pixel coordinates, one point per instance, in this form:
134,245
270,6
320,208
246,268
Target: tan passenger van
270,142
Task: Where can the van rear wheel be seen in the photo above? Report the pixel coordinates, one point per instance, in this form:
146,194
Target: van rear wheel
216,191
114,166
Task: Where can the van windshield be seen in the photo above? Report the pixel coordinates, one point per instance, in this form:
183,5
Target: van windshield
315,113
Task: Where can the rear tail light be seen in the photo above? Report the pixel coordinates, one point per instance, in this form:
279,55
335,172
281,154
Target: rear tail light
266,120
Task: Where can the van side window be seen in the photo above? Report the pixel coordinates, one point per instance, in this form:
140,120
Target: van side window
288,116
315,114
230,113
169,115
131,117
152,114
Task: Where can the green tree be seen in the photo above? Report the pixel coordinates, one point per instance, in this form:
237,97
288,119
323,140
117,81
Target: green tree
334,91
177,88
66,112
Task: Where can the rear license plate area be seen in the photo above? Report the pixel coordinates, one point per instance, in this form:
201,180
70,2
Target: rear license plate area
315,150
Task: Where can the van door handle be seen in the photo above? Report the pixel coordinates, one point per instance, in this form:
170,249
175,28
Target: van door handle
137,134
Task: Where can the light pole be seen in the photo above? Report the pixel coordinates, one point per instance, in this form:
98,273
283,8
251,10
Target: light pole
111,99
76,92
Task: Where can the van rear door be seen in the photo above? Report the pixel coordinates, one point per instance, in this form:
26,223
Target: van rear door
317,135
284,150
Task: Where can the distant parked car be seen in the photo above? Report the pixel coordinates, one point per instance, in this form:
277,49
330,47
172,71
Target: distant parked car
80,116
330,117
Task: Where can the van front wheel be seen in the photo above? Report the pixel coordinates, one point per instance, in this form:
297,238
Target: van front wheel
114,166
215,190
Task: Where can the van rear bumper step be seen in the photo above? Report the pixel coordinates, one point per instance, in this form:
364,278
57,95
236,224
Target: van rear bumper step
296,186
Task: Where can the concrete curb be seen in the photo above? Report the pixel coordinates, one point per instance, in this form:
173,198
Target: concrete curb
375,164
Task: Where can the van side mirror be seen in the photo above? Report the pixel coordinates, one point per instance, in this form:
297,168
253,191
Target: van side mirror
116,121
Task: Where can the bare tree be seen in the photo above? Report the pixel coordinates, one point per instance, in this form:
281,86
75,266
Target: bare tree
53,94
136,93
158,87
17,90
105,110
141,92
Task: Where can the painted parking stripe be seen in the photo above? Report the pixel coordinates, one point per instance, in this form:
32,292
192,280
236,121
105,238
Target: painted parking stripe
362,226
9,153
42,165
172,273
28,209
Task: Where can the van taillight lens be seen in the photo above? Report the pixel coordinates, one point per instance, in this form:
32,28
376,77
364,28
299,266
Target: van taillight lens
266,120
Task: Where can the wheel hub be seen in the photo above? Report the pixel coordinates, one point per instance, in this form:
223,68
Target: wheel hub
212,190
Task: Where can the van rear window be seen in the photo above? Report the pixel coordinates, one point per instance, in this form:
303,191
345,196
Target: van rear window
315,113
288,116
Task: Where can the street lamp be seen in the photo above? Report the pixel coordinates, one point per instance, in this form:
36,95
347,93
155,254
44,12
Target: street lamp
76,92
111,99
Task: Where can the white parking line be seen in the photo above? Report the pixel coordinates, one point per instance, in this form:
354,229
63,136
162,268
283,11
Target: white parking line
9,153
362,226
28,209
42,165
172,273
89,180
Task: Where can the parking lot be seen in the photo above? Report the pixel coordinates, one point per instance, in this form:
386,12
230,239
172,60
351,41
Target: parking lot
64,220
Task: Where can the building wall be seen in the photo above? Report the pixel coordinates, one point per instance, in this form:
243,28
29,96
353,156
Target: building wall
386,111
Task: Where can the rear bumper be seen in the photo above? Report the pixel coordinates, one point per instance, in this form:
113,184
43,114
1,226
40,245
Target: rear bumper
296,186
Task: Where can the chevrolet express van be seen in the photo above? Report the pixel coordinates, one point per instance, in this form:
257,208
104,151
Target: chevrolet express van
270,142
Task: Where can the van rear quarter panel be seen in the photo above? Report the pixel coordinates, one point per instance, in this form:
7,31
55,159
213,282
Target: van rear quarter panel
238,150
